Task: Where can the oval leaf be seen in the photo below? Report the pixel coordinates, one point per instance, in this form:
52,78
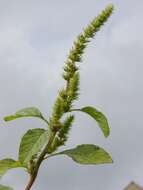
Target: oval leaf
26,112
32,142
2,187
7,164
99,117
88,154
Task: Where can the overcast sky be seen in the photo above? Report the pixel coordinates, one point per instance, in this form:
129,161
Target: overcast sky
35,37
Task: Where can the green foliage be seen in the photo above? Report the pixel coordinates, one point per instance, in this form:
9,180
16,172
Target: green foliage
88,154
98,116
2,187
26,112
31,144
39,144
7,164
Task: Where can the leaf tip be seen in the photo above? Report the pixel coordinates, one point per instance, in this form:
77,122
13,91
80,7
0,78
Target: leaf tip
7,118
107,134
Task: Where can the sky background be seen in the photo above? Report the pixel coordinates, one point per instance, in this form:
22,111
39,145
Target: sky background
35,37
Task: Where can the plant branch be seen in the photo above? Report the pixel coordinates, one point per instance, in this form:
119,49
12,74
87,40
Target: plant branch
33,175
31,181
45,120
50,155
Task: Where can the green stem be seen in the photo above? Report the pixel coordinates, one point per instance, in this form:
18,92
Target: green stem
73,110
42,155
33,175
31,181
45,120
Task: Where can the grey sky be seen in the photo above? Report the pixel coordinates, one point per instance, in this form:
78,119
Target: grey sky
35,36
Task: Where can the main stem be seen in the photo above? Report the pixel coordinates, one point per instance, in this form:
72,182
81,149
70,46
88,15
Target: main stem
42,155
33,175
31,181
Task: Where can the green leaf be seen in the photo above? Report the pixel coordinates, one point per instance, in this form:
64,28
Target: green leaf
99,117
7,164
88,154
2,187
32,142
26,112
